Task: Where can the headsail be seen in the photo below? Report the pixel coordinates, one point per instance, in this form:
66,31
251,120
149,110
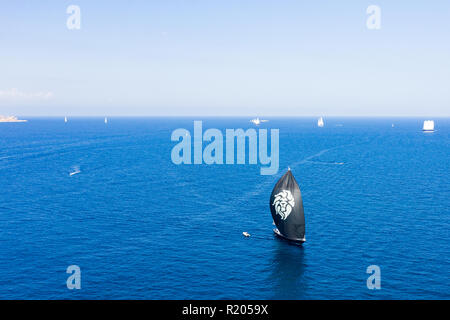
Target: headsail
286,206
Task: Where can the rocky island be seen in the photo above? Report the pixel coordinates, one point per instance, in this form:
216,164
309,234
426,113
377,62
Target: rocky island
10,119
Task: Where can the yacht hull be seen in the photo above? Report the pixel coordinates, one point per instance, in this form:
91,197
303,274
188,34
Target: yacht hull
278,234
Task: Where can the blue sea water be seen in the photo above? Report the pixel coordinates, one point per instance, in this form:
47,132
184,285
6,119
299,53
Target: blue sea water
141,227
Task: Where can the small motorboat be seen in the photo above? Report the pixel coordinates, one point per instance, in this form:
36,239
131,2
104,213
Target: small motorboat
75,170
258,121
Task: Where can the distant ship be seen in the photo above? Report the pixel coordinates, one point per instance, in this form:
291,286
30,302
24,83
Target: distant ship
106,120
320,122
65,119
11,119
286,206
258,121
428,126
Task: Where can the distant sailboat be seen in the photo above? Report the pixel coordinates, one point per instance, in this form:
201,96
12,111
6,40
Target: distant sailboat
65,119
320,122
286,206
106,120
258,121
428,126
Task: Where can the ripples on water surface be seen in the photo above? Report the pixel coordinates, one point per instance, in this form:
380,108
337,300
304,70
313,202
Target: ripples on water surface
142,227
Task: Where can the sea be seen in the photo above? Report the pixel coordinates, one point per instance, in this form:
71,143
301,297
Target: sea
376,192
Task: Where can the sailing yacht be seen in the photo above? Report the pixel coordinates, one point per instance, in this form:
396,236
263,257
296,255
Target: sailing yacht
320,122
428,126
65,119
106,120
286,206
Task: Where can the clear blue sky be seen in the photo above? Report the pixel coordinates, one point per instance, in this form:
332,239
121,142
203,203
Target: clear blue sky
225,57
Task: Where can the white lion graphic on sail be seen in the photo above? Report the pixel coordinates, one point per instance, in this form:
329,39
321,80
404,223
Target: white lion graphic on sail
283,203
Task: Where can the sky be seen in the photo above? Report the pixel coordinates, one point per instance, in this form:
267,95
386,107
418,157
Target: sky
225,58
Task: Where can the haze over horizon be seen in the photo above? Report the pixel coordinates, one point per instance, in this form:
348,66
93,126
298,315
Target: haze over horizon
225,58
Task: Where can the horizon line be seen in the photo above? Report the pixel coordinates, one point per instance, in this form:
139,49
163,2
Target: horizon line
234,116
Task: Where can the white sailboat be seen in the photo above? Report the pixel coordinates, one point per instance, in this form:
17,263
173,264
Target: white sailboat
428,126
320,122
106,120
65,119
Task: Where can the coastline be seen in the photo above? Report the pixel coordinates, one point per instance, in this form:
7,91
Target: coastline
1,120
11,119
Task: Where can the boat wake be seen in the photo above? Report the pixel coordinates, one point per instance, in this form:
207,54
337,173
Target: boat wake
318,154
308,160
326,163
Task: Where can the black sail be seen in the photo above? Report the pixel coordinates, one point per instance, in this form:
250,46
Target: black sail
286,206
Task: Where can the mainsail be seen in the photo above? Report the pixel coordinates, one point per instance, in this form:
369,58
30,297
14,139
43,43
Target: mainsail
286,206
